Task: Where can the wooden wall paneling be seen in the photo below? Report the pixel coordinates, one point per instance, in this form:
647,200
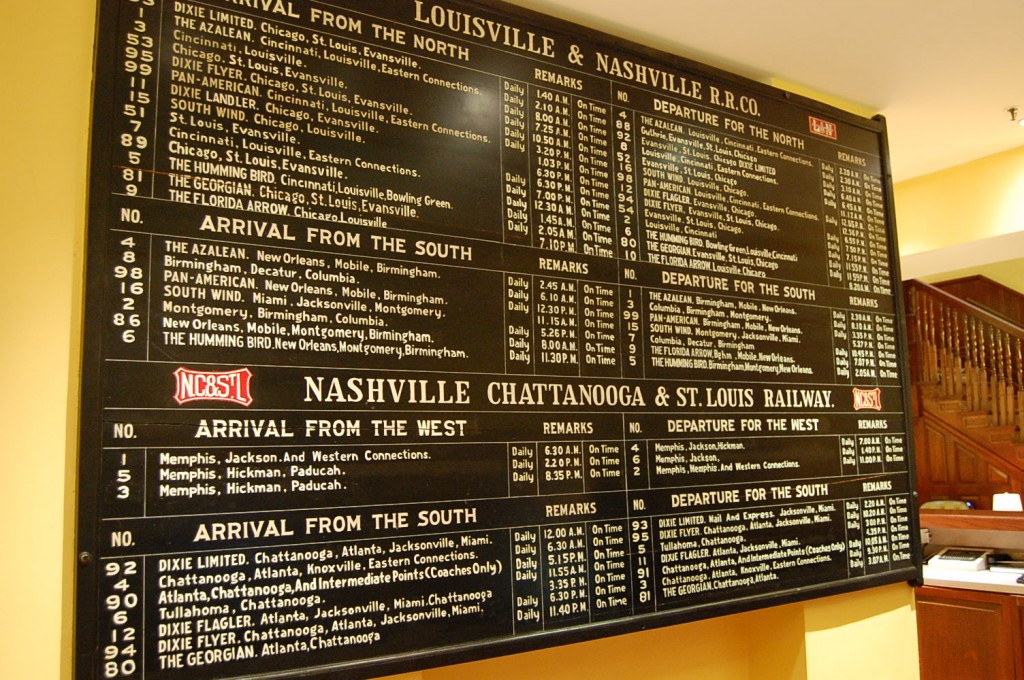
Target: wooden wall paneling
950,467
989,295
967,634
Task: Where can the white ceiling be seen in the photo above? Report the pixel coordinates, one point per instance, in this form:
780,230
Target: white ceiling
942,72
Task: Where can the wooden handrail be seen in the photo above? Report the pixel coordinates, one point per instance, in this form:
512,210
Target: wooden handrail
966,352
983,520
989,295
953,301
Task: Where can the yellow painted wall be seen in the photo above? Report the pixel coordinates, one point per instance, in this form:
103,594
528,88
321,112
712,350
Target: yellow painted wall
45,66
1009,273
977,200
869,634
965,221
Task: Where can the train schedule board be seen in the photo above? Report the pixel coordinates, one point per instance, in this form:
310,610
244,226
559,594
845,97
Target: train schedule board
420,331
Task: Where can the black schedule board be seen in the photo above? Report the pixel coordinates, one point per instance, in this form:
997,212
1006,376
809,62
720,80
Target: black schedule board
423,331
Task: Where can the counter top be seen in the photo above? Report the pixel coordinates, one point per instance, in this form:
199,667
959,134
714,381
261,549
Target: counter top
981,520
990,581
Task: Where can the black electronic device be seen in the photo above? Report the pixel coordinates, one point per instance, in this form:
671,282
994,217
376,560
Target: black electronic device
961,559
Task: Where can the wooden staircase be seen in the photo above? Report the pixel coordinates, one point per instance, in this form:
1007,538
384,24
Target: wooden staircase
967,364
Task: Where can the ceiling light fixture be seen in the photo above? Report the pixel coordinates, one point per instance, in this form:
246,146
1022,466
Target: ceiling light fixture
1013,110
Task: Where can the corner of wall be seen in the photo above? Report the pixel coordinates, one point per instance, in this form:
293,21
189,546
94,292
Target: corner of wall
865,634
969,202
46,61
782,655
